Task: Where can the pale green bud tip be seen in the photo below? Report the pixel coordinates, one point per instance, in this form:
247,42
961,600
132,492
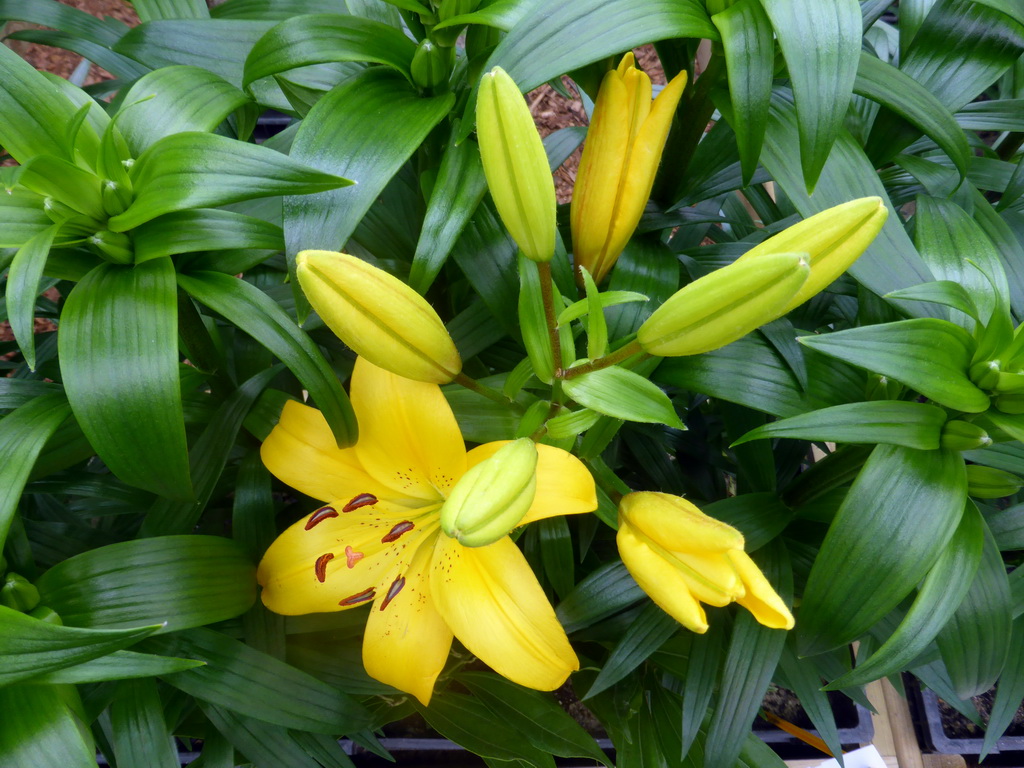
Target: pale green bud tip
18,593
985,374
378,316
516,165
493,496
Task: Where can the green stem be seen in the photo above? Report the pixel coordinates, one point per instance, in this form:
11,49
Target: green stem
616,357
547,288
485,391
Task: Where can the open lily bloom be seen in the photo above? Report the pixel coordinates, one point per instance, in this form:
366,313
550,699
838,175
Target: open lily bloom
379,539
681,558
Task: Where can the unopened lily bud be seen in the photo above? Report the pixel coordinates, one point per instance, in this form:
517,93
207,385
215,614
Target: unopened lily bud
516,165
19,593
116,197
449,9
493,496
834,239
48,615
430,65
726,305
113,246
985,374
991,483
1010,383
378,316
882,388
960,435
620,159
1011,404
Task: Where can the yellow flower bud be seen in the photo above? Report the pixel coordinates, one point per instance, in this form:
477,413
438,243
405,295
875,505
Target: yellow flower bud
516,165
681,558
493,496
719,308
625,140
833,239
378,316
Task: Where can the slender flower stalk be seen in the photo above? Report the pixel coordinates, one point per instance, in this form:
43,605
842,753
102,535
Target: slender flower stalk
380,536
681,558
620,159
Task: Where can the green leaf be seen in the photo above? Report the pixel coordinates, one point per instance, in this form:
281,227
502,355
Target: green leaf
257,685
271,10
31,647
173,100
929,356
938,597
902,94
66,183
317,38
149,10
276,745
251,310
138,731
537,715
199,170
976,641
822,73
751,659
22,217
552,39
804,679
344,134
651,629
118,665
185,581
892,422
605,591
877,547
119,359
622,394
35,111
458,191
1009,693
23,287
749,46
944,292
50,13
203,229
41,729
760,517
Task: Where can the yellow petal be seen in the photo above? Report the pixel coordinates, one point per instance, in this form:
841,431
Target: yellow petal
564,484
834,239
661,580
761,600
406,641
638,177
378,316
301,451
340,561
676,524
711,578
601,167
409,439
492,601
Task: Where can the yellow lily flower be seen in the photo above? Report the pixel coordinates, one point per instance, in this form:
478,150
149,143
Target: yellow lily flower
625,140
681,558
379,540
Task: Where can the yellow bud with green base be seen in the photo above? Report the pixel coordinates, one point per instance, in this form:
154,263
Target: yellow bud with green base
516,165
378,316
726,305
493,496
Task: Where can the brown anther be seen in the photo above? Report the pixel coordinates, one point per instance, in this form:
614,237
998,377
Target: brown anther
352,557
321,566
362,500
393,590
396,531
320,515
360,597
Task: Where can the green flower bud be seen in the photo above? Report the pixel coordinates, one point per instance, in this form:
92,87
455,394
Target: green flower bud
985,374
960,435
493,496
516,165
882,388
48,615
449,9
1011,404
991,483
113,246
116,197
19,593
726,305
431,65
1010,383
